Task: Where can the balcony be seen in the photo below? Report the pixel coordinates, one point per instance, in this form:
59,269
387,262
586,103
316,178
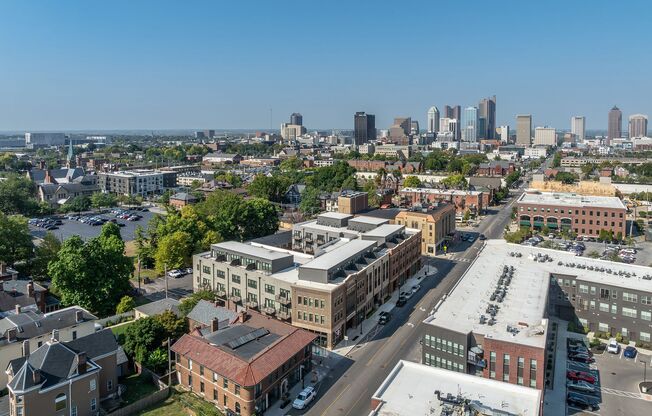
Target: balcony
283,315
268,310
252,304
220,293
308,238
235,298
297,237
283,300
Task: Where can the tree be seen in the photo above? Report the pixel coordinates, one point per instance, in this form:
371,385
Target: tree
188,304
93,274
157,360
512,178
291,163
15,239
411,182
174,326
99,200
143,336
44,253
126,304
173,251
565,177
272,188
556,160
77,204
310,201
17,196
258,218
455,182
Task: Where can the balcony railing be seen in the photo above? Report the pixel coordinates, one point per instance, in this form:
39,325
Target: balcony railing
268,310
283,300
235,298
283,315
252,304
220,293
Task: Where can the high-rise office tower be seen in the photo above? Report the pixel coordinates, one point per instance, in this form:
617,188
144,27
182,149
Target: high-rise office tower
578,127
524,129
470,124
615,128
637,125
296,119
545,136
487,118
364,127
414,127
504,133
433,120
401,128
456,113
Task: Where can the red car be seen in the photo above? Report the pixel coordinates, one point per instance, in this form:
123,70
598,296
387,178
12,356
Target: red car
581,376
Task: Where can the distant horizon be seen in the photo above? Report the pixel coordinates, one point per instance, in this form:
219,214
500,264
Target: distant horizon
121,65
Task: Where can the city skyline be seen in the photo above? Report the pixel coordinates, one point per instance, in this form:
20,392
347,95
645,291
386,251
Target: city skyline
153,73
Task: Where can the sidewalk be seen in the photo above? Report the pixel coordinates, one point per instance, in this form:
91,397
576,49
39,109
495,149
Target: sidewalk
322,364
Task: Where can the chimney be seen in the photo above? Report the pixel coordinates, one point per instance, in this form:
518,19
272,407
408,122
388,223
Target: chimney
215,324
41,164
79,316
3,267
243,316
81,363
48,177
36,376
11,334
55,335
18,309
30,289
26,348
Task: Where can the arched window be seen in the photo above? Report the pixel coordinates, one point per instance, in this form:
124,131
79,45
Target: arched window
237,407
60,402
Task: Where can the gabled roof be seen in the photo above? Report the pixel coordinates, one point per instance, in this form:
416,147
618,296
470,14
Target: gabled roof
204,312
159,306
31,324
96,344
59,175
53,361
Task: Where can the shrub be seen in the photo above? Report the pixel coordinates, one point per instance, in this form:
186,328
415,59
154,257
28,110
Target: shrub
644,345
619,337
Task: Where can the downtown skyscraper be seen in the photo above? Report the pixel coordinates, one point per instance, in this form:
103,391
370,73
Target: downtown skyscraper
433,120
615,127
524,129
637,125
487,118
454,112
364,127
578,127
470,124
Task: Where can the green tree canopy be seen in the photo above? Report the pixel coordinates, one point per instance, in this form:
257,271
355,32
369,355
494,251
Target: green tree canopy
18,195
15,239
174,251
45,252
143,336
411,182
455,181
565,177
93,274
126,304
102,200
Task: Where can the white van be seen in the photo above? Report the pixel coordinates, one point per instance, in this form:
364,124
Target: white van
613,347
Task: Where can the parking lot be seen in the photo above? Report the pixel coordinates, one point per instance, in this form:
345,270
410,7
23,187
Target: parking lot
615,380
69,228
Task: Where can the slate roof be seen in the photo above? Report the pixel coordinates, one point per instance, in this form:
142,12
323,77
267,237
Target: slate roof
159,306
60,175
96,344
184,196
247,371
204,312
31,324
14,292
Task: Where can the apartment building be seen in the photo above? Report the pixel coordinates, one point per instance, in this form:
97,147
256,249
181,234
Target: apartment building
584,215
349,266
64,378
494,323
139,182
495,168
36,328
473,201
352,202
437,224
244,367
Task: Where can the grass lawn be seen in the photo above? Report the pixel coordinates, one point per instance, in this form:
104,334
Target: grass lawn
137,387
120,330
179,403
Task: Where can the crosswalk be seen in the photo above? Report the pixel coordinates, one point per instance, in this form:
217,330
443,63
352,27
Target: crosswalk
460,259
621,393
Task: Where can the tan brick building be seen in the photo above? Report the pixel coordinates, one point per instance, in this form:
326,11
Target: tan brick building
436,225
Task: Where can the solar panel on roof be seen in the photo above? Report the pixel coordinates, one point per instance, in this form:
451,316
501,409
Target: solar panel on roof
246,338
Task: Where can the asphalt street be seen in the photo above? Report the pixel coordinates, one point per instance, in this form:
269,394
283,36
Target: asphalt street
348,389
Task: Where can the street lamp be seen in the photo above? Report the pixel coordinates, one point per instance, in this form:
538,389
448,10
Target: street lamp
644,370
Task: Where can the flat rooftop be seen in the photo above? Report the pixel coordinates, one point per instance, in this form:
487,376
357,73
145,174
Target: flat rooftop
440,191
523,306
370,220
251,250
571,200
335,215
409,390
384,230
339,255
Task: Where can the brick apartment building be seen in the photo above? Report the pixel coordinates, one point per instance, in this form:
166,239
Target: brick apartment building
437,225
342,268
495,168
245,366
474,201
585,215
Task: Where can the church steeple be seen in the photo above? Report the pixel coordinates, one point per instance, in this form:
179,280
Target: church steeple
70,159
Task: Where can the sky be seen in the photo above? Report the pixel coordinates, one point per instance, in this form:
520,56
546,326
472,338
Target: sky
75,65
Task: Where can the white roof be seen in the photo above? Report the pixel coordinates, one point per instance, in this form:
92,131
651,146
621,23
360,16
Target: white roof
523,307
384,230
251,250
571,200
335,215
440,191
370,220
409,390
339,255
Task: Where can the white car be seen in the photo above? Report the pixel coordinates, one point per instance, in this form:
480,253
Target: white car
580,385
175,273
613,346
305,397
416,288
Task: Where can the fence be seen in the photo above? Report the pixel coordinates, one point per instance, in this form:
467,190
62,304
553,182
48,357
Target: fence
143,403
115,318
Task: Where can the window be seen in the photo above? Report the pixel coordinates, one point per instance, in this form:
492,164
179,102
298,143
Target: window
109,384
93,385
519,371
533,373
237,408
252,284
645,336
201,387
60,402
225,383
603,327
492,364
215,394
614,308
605,293
630,297
235,278
206,269
226,401
646,300
93,404
219,273
604,307
201,370
237,390
584,289
505,367
269,289
629,312
592,304
646,315
74,334
73,411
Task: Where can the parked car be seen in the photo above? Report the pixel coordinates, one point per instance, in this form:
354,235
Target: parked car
175,273
401,301
581,358
305,397
579,385
407,294
482,237
582,401
629,352
580,350
416,288
613,346
187,270
384,317
580,376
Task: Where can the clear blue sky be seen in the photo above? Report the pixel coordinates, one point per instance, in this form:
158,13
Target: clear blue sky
223,64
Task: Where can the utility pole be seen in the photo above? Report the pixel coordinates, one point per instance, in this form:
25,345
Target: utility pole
166,281
169,365
139,274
